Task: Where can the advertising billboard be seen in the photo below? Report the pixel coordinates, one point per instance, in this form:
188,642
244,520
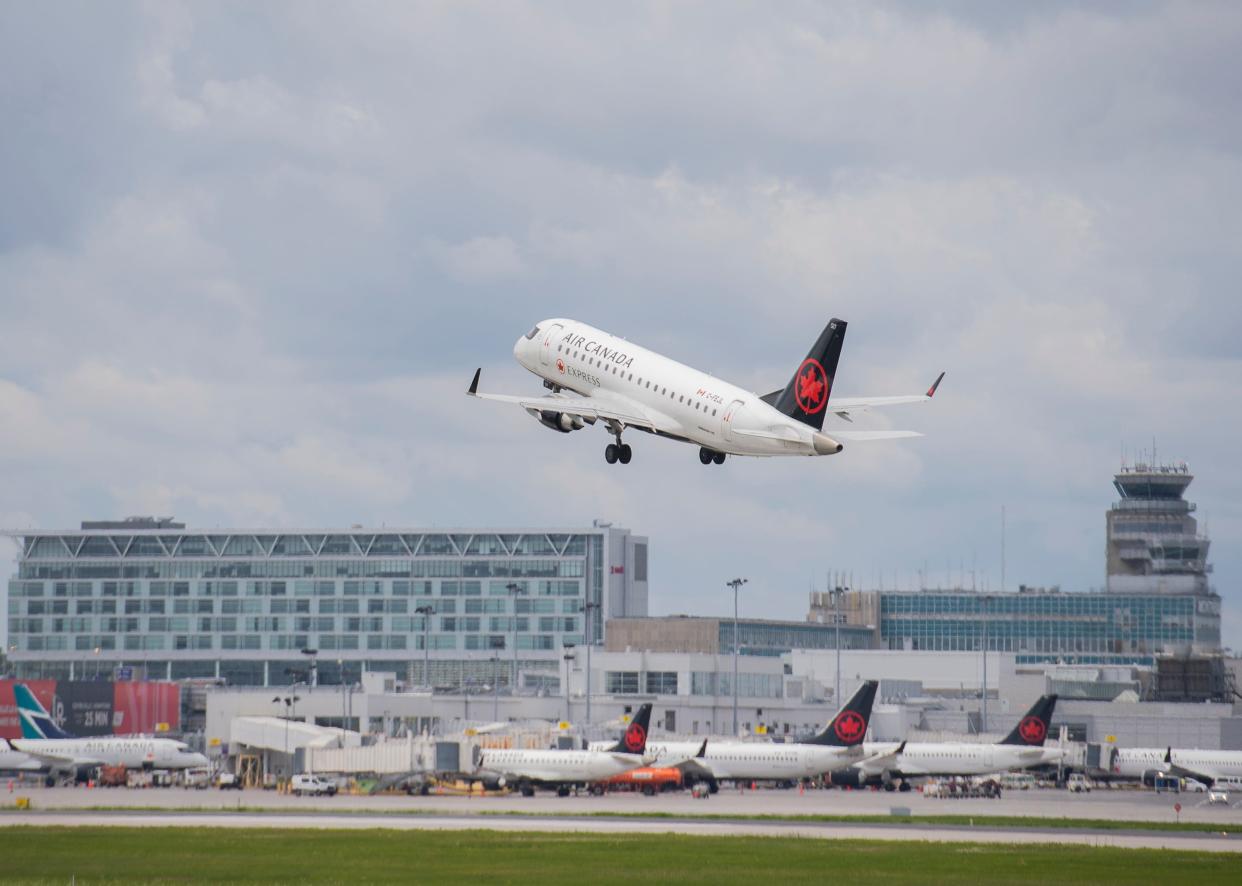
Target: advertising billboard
96,708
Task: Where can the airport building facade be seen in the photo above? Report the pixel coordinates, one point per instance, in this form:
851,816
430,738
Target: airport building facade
1156,601
148,598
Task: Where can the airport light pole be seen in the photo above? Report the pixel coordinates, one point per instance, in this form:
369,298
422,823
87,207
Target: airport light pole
514,590
735,584
983,726
568,655
340,670
314,666
495,685
426,612
290,702
590,641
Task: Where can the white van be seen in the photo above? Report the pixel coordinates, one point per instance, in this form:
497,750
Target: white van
311,784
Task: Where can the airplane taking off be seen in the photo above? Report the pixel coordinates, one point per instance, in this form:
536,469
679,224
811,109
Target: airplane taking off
894,765
59,751
563,770
594,376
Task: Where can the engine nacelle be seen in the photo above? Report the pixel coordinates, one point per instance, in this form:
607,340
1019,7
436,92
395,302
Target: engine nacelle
560,421
847,778
1150,776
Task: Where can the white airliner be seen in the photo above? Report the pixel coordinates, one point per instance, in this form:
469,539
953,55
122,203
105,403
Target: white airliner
1208,767
594,376
563,770
59,752
895,765
837,746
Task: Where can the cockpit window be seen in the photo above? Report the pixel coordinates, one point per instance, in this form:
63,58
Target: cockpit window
532,333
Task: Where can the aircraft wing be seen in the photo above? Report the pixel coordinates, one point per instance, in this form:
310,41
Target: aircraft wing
844,406
882,761
1203,774
49,759
614,407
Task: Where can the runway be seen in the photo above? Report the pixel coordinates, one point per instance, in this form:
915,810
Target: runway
1113,805
912,831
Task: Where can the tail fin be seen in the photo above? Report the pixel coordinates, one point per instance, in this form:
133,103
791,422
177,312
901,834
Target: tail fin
36,721
850,724
1033,728
635,739
806,396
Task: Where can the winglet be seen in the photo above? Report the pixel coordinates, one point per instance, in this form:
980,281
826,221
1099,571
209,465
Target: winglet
901,747
474,383
702,750
931,392
1168,756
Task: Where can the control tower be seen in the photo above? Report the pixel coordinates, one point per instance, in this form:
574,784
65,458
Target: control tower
1154,545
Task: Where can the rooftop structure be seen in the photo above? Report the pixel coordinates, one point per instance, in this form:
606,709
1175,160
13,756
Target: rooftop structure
1154,545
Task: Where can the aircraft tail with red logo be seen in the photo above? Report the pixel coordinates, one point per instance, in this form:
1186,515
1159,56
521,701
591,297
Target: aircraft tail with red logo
634,741
1035,725
849,726
806,396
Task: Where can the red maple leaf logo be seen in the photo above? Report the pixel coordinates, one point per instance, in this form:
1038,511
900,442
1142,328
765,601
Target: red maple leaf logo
811,386
560,365
635,737
1032,730
850,726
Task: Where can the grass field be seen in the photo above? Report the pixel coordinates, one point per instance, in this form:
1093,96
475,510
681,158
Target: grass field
180,855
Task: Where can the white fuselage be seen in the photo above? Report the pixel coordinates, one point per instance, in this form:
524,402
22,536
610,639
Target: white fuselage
1133,762
954,758
132,753
758,761
557,767
700,407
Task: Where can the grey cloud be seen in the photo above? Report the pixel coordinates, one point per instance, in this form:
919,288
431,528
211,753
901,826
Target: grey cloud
255,251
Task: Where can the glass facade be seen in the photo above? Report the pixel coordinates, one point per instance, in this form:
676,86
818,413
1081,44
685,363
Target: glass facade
241,605
1047,622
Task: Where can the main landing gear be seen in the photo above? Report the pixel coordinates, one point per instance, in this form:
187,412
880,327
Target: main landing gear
618,452
707,456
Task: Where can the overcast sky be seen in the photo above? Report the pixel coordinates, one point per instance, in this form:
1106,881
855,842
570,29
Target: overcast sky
251,254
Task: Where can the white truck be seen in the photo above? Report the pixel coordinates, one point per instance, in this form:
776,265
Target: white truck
317,785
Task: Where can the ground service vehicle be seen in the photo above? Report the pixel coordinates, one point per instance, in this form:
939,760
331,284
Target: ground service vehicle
306,783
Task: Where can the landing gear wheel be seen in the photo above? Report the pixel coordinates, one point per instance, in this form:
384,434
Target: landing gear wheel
625,454
706,455
562,791
526,789
719,458
611,454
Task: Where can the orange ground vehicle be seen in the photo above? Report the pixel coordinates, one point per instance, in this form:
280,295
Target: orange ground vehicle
648,779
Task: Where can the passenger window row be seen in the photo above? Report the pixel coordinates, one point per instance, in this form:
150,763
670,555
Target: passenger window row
595,361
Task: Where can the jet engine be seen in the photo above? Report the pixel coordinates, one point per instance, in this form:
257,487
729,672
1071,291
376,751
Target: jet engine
560,421
847,778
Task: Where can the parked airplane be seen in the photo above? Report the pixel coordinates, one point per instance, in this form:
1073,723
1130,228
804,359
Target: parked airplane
838,745
1147,764
564,770
59,751
894,765
594,376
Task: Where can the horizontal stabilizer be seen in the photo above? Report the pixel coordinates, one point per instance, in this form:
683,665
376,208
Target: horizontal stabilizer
874,435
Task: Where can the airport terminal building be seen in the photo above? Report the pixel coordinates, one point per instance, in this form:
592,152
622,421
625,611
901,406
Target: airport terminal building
153,599
1156,599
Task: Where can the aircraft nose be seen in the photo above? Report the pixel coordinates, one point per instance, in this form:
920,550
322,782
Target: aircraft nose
197,760
518,348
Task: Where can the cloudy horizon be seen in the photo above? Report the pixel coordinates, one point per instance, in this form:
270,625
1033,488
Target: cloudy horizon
251,255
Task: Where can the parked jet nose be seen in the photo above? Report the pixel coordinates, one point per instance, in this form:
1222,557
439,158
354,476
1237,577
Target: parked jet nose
196,761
